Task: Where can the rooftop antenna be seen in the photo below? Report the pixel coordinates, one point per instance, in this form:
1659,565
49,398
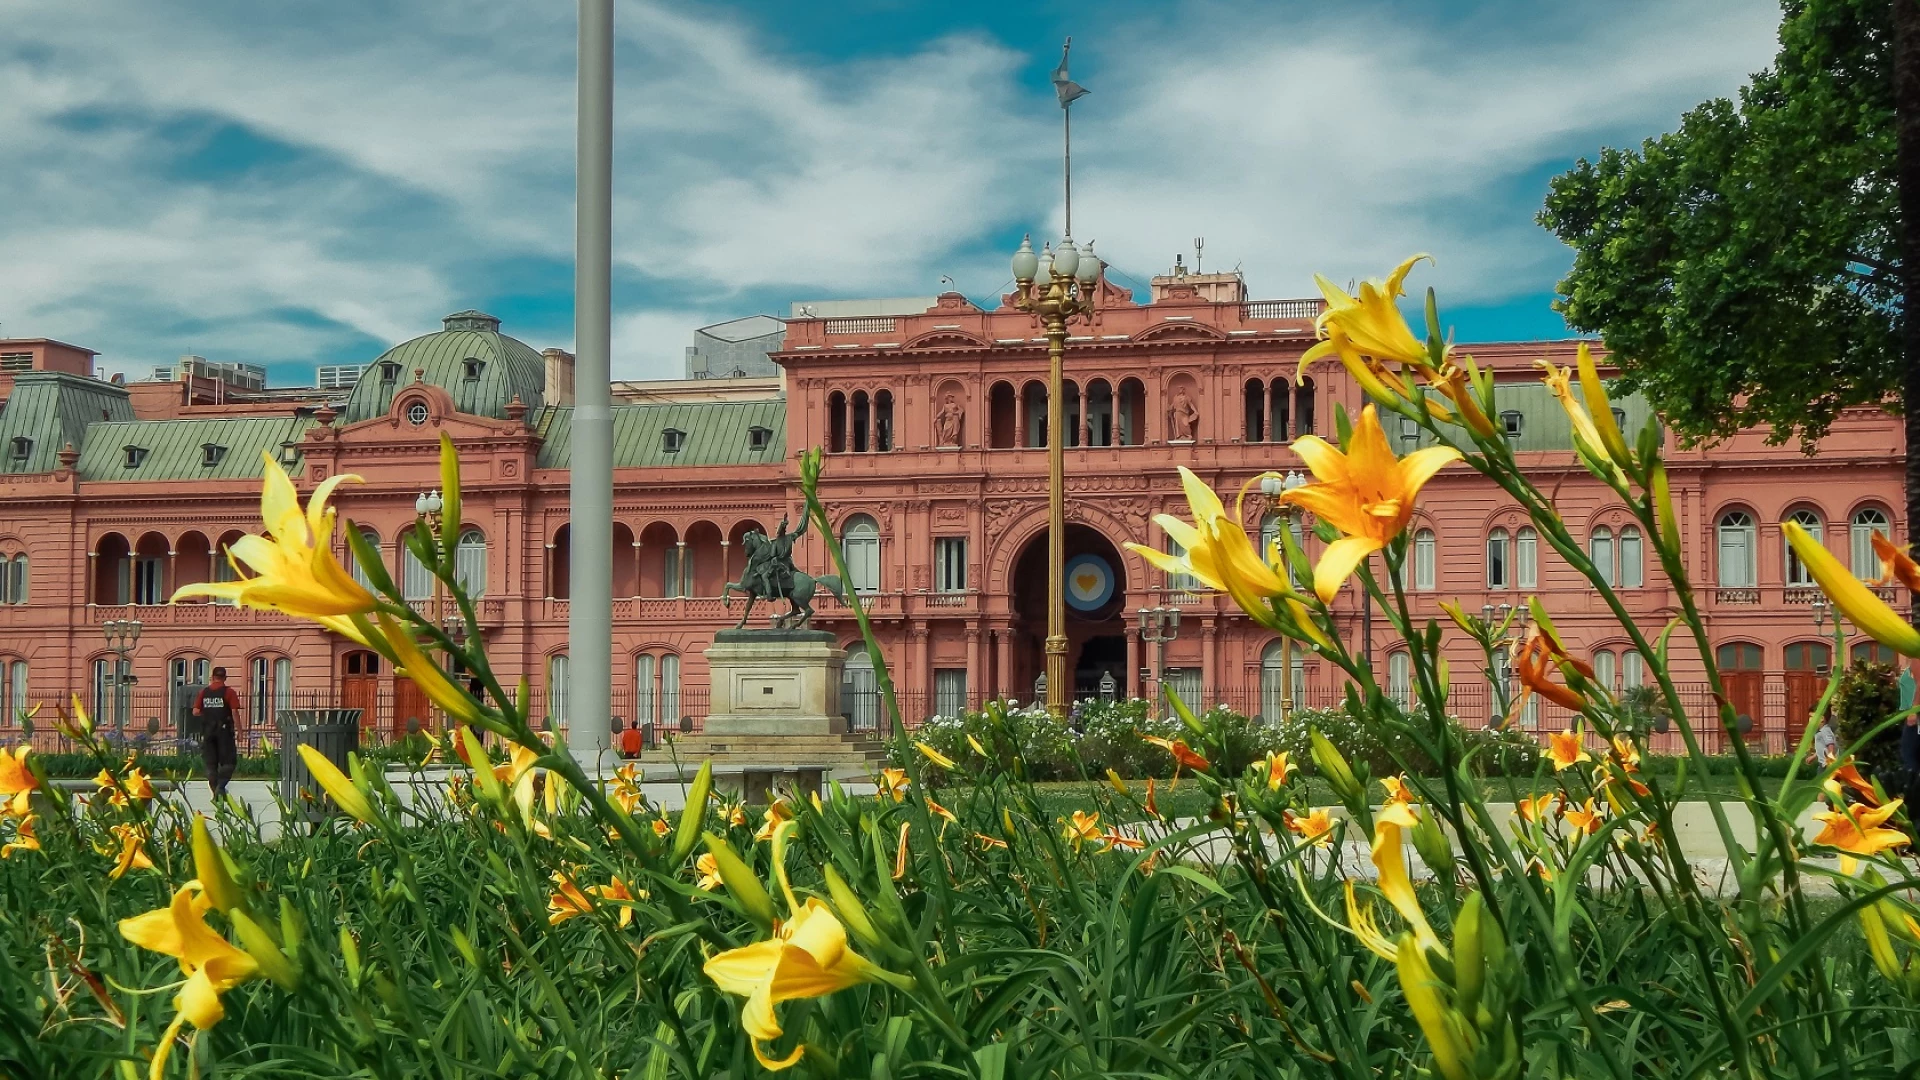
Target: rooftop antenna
1068,91
1199,242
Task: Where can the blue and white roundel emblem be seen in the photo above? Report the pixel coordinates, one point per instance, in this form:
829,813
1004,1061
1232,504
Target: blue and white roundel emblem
1089,582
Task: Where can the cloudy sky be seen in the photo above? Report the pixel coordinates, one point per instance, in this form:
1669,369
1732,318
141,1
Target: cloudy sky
304,182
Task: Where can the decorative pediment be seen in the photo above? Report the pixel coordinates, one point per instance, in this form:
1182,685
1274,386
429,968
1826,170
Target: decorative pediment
946,339
1180,331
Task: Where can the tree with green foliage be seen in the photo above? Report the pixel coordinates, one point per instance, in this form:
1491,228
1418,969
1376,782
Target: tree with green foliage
1745,269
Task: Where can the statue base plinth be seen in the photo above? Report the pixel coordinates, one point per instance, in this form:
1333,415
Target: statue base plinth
775,682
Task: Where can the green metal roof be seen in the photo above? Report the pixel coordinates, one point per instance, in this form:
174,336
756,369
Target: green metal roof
176,449
1543,423
508,368
715,433
52,410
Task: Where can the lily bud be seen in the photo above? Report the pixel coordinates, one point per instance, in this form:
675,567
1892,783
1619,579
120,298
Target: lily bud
851,911
1469,955
1430,840
259,944
694,815
293,929
1601,410
483,776
219,886
350,956
1448,1036
1334,769
341,790
741,882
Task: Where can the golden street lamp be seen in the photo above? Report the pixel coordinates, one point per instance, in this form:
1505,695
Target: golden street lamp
1056,285
1275,488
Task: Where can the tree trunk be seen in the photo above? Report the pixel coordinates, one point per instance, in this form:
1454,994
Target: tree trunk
1906,107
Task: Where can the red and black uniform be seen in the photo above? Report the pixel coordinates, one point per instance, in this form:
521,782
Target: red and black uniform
217,710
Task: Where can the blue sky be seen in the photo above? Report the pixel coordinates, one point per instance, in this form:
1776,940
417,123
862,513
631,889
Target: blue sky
302,182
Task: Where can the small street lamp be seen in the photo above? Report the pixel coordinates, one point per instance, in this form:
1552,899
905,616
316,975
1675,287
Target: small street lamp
1159,625
1820,611
1056,284
1275,488
122,635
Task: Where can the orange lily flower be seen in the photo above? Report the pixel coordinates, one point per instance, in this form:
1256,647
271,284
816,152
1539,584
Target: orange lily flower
990,842
1121,840
1530,667
1534,809
708,868
1849,774
1181,752
660,827
17,782
1315,828
893,782
942,812
1279,770
133,851
777,811
1366,493
1586,818
1895,563
1083,828
24,839
1860,831
1567,749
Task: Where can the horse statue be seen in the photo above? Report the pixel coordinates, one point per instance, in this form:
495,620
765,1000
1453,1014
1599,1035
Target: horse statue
771,575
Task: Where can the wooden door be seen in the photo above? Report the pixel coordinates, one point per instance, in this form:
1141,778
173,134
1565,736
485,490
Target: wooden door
360,685
409,703
1745,684
1808,665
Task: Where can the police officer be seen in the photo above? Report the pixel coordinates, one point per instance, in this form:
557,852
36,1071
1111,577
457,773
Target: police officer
217,706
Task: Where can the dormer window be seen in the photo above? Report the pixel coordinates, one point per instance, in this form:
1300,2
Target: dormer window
759,438
134,456
21,449
389,372
289,454
1510,423
1620,419
672,440
211,454
472,367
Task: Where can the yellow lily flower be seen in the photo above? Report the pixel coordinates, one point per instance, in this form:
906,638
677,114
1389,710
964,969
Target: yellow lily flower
1368,332
1895,563
17,782
807,957
1391,865
1848,593
570,900
1315,828
1279,769
933,755
1361,924
893,782
977,748
119,792
1860,830
708,868
1585,430
1216,549
1445,1030
343,791
1366,493
25,838
292,568
941,812
777,811
1599,407
133,851
212,965
1083,828
1586,819
737,816
1567,749
1535,808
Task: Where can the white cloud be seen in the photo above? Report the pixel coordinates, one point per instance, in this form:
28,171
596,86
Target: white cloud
438,142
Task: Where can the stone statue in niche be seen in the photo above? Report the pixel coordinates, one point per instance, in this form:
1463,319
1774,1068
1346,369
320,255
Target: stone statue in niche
946,423
1183,419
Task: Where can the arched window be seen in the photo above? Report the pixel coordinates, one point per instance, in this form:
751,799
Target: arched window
883,421
1633,670
861,542
1099,413
670,688
557,689
1423,558
1180,581
1526,561
1809,656
1132,411
1497,569
1600,550
470,562
1303,408
1604,671
860,690
1270,537
270,688
189,671
1272,694
416,581
1872,652
1002,417
643,690
13,579
1254,396
13,690
103,688
862,423
836,422
1866,521
1737,656
222,571
1632,572
1400,678
1796,570
1033,399
1277,414
1735,532
1070,395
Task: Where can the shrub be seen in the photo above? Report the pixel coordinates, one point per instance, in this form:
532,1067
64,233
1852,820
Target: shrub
1868,694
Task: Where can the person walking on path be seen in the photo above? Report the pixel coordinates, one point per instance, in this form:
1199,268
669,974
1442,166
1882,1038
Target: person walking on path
217,706
1826,744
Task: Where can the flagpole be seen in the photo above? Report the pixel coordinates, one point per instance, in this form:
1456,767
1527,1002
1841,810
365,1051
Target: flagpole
588,687
1066,161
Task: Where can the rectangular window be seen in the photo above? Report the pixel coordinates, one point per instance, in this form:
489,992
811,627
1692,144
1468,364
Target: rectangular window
677,571
1603,670
1600,547
557,689
1186,683
950,564
282,685
1631,574
1423,553
149,585
670,689
1180,582
1497,559
416,581
260,693
1736,558
1526,567
950,691
1632,669
16,692
643,690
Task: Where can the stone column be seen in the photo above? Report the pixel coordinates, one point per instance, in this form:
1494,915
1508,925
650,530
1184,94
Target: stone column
1209,661
1003,661
1133,662
922,675
974,687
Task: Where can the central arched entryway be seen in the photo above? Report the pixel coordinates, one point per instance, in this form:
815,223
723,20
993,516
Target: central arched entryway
1096,588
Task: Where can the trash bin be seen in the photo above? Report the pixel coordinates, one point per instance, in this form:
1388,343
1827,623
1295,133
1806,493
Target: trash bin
335,733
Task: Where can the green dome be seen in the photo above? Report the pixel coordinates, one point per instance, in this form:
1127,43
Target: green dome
471,359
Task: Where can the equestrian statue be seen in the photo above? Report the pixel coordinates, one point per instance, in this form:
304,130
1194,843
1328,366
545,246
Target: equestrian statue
771,575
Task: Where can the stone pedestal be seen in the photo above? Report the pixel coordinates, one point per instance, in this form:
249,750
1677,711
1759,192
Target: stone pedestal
775,683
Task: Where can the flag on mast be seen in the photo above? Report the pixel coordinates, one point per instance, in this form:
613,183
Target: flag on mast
1068,90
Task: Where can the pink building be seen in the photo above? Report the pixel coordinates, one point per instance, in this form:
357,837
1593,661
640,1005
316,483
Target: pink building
935,426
